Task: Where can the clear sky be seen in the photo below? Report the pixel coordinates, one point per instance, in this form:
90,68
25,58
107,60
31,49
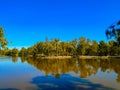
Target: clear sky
26,22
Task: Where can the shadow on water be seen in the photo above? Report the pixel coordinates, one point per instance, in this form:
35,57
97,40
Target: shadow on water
66,82
8,89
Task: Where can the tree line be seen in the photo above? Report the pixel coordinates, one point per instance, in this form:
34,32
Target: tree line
55,47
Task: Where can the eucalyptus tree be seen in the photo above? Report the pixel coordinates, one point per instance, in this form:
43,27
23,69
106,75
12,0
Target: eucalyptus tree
30,50
87,47
114,31
113,48
15,52
102,49
48,47
94,48
23,52
3,40
74,44
56,41
81,47
63,50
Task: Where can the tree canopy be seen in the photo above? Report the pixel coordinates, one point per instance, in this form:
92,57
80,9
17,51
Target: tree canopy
114,31
3,40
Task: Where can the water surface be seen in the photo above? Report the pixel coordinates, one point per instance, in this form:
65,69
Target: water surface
72,74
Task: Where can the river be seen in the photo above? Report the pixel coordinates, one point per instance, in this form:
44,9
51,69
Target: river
68,74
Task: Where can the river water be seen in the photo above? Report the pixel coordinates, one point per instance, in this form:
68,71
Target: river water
69,74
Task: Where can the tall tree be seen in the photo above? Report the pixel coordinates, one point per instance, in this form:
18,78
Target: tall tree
94,48
81,48
103,48
114,49
23,52
88,47
3,40
56,46
114,31
74,44
15,52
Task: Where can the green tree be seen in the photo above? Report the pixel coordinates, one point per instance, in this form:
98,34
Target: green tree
74,46
114,31
81,48
88,47
114,49
94,48
23,52
30,50
103,48
56,46
15,52
63,48
3,40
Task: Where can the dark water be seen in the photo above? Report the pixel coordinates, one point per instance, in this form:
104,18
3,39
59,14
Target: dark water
74,74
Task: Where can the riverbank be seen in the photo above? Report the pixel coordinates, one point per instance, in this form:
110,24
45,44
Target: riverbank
79,57
93,57
69,57
57,57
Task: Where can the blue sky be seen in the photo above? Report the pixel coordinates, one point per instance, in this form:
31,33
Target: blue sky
26,22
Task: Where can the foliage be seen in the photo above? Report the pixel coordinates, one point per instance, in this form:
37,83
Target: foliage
83,46
23,52
14,52
76,47
114,31
3,40
102,49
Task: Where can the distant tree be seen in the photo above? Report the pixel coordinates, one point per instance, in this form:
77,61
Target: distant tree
94,48
30,50
102,49
23,52
57,45
81,48
88,47
8,53
72,47
114,31
39,48
113,48
64,46
14,52
35,50
3,40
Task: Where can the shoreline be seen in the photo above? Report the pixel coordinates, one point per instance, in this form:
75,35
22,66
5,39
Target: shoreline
79,57
56,57
70,57
93,57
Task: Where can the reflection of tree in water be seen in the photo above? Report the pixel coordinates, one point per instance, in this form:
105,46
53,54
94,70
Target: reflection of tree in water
84,67
23,59
14,59
116,68
87,67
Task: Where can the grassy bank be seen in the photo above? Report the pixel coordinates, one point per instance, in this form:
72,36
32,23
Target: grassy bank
69,57
93,57
57,57
79,57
